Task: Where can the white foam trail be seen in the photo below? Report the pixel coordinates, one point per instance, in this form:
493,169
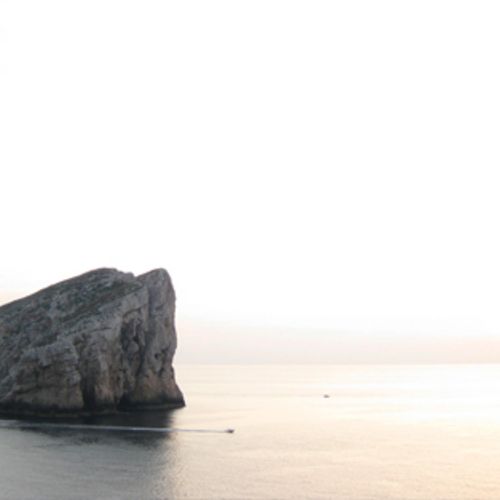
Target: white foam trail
49,425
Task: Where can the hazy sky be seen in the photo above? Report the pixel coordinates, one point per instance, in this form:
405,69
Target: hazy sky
315,174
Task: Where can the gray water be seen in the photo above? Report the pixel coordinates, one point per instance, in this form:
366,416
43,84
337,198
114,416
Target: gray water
385,432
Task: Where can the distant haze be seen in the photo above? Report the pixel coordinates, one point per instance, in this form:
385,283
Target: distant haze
320,178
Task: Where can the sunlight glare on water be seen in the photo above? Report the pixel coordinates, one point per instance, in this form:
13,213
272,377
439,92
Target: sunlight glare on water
385,432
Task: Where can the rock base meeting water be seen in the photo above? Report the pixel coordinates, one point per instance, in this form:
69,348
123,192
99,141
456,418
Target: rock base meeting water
100,342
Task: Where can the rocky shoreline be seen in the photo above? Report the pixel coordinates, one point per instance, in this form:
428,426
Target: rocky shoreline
95,344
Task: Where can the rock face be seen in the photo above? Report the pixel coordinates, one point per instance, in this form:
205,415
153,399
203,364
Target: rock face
98,342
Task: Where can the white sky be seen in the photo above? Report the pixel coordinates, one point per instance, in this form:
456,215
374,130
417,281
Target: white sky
326,166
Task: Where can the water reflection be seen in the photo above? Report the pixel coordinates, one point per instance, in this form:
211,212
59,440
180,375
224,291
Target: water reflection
158,418
131,464
103,427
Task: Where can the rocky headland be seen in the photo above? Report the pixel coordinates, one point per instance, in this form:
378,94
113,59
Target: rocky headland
100,342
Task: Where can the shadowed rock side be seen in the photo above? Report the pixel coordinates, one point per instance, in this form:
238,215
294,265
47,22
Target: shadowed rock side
99,342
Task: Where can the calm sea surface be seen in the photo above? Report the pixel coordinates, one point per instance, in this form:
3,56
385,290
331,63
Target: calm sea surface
385,432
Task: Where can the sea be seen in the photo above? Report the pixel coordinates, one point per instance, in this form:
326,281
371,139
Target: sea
300,432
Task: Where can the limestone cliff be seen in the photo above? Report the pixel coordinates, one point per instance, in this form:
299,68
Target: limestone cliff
98,342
